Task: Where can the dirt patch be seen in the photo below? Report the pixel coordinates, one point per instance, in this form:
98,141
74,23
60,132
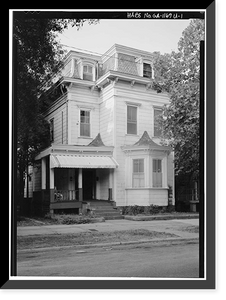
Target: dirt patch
66,219
23,221
84,238
192,229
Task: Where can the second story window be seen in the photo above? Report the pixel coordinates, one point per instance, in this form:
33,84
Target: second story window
157,127
88,72
147,70
131,119
85,123
51,128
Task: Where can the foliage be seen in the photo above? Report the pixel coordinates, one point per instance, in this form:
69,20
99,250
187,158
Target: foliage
178,74
68,219
148,210
38,56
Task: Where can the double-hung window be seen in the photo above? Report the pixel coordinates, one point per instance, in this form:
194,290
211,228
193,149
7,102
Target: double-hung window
88,72
85,123
147,70
138,173
131,119
157,173
157,127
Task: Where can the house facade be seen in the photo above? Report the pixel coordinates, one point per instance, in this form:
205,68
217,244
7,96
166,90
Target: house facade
104,136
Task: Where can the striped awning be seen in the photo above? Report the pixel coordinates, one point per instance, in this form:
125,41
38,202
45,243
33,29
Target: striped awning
82,161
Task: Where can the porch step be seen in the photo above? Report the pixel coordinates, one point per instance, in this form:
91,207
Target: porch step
105,209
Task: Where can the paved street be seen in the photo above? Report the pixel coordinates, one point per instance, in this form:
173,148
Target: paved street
172,257
146,260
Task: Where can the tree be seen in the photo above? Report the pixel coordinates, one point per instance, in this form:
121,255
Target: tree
178,74
38,57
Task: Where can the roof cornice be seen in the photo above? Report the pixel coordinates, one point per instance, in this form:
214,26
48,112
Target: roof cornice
115,75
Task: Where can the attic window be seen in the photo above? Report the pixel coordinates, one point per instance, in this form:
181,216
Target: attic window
88,72
147,70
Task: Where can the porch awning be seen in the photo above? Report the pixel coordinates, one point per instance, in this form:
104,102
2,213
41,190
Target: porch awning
82,161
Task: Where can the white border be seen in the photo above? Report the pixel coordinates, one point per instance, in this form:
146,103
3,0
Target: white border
10,148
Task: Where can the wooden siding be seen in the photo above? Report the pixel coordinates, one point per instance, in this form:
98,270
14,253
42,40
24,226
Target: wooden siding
82,98
147,197
144,99
60,124
107,116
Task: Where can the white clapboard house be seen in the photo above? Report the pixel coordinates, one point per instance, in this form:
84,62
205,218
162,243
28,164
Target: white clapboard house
105,142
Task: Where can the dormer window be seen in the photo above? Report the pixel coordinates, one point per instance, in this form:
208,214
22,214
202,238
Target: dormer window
145,67
147,70
88,72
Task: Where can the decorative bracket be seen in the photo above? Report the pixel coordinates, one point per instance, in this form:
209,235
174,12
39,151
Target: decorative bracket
132,83
149,85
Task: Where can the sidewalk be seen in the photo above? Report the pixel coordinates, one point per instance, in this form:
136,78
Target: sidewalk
184,229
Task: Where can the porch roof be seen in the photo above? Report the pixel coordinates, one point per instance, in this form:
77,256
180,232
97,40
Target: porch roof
82,161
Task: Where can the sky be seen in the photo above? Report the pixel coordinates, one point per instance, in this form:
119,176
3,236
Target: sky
148,35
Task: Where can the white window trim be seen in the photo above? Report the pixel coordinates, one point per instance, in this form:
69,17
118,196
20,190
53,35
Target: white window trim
138,158
141,61
137,105
85,62
148,170
79,118
164,171
153,118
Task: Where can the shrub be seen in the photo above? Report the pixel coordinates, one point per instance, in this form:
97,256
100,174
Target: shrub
69,219
148,210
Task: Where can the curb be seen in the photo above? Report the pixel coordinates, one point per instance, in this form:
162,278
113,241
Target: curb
161,217
87,246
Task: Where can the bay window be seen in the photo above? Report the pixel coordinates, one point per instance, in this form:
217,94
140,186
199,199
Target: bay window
157,173
138,173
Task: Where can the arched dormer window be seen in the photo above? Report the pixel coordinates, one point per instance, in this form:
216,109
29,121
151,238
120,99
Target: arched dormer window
87,70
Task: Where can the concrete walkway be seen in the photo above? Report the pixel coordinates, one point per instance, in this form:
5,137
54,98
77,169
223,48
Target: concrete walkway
183,228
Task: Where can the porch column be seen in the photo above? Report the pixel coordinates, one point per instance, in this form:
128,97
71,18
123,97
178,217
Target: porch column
110,184
43,169
51,186
80,196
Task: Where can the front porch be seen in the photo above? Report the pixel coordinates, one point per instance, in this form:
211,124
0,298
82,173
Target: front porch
71,179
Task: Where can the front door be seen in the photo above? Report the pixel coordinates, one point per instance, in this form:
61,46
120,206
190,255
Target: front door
88,183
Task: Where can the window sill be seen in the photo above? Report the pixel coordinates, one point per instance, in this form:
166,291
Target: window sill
85,137
132,134
146,188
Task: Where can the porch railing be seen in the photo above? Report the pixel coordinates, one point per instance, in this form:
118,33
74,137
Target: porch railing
65,195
